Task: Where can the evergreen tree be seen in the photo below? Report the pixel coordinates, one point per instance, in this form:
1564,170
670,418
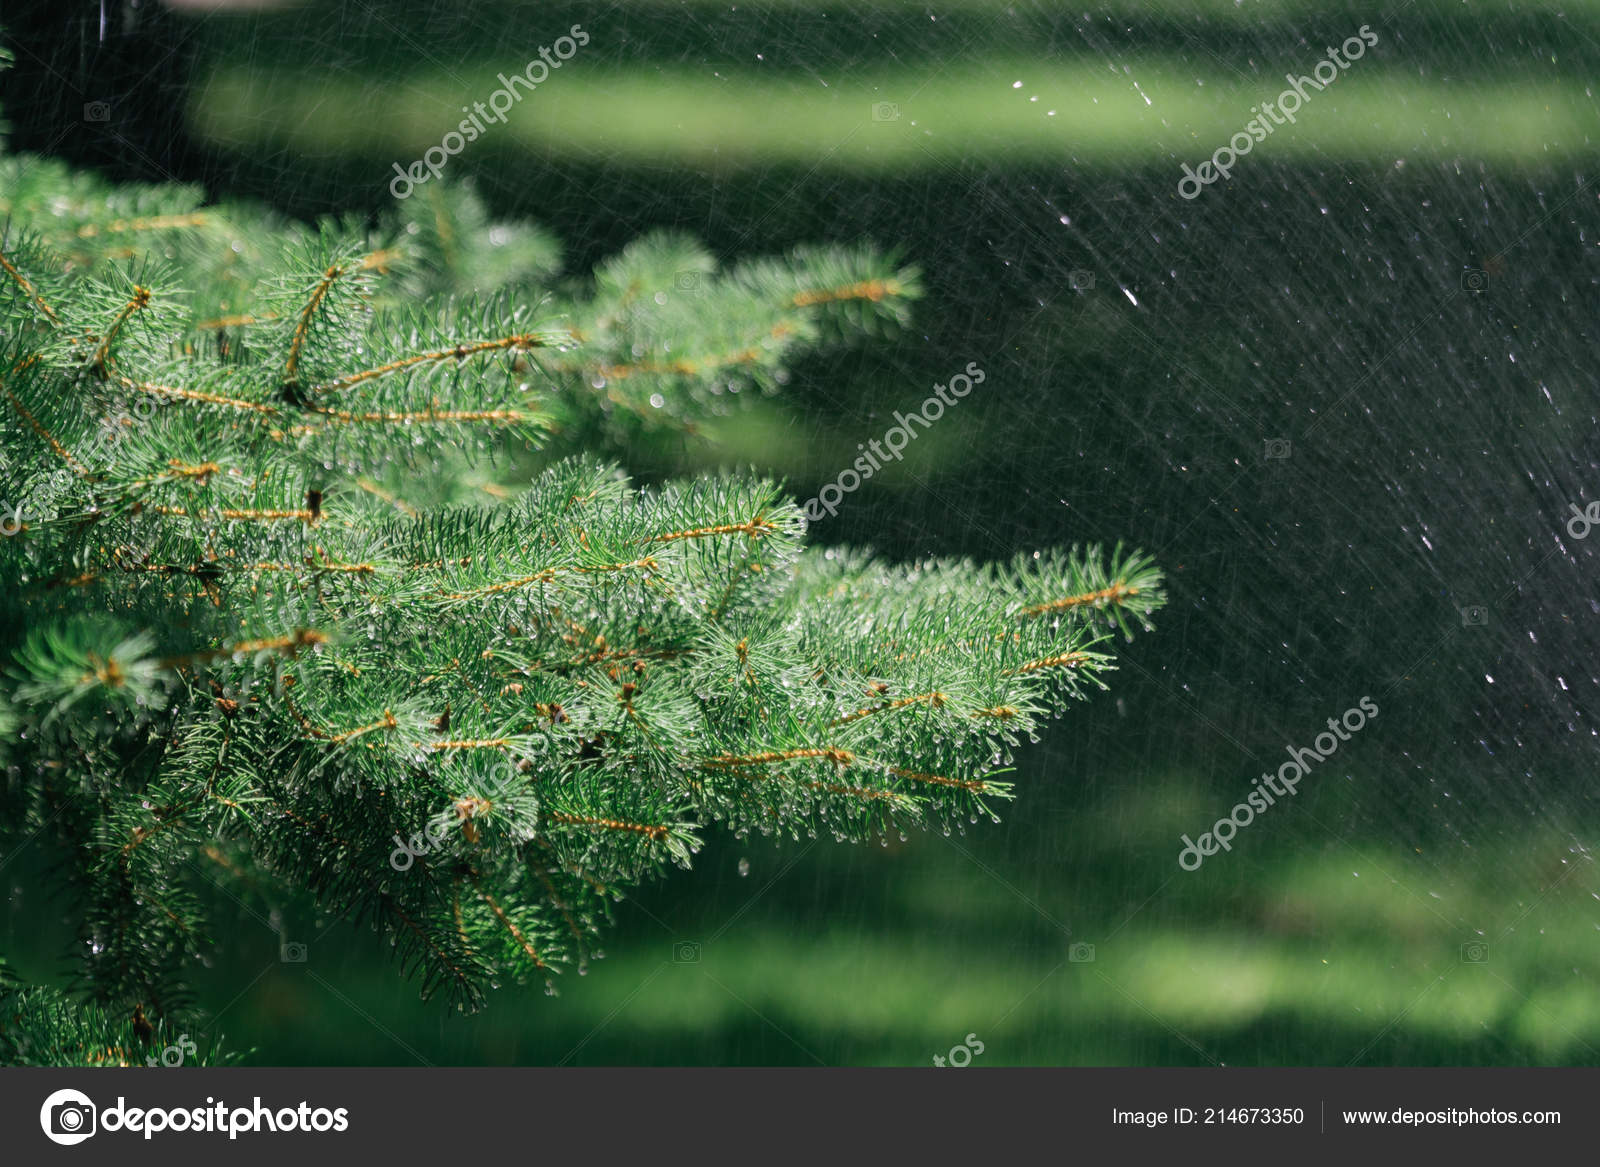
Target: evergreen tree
283,609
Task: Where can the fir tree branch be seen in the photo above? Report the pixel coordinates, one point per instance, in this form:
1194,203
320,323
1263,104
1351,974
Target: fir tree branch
29,290
562,680
138,302
1114,593
460,352
153,223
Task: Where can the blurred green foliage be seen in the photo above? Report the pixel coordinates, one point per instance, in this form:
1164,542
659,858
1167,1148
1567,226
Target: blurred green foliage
811,953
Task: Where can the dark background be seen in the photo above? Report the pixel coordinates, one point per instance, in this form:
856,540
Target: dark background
1403,289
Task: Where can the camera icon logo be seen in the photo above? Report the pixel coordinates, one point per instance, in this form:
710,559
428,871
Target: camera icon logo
885,111
1474,279
67,1117
1081,953
1475,952
97,111
686,952
1474,616
1080,281
687,281
1278,449
292,952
